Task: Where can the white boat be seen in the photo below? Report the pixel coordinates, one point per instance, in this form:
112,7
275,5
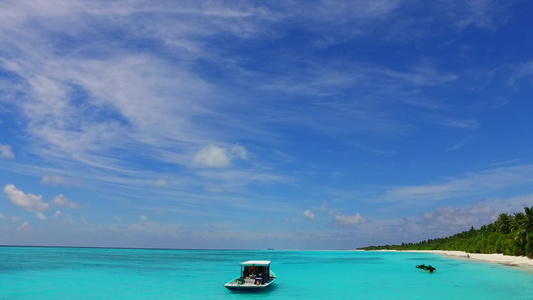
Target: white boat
255,276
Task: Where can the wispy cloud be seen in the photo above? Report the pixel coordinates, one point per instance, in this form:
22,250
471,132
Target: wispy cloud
97,96
54,180
24,227
338,217
460,217
184,107
467,185
522,71
6,152
343,219
487,14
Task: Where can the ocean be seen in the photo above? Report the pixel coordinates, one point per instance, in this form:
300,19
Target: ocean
98,273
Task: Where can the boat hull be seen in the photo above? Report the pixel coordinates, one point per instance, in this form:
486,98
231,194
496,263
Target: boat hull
246,287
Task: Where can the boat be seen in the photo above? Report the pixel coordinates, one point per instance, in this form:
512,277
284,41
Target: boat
255,276
426,268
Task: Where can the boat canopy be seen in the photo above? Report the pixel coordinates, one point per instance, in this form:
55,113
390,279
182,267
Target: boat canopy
265,263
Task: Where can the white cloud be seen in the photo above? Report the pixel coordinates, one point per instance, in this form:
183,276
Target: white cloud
64,202
54,180
349,220
6,152
239,151
15,218
211,156
1,216
28,202
460,218
57,214
216,157
25,227
171,123
467,185
309,215
144,218
40,215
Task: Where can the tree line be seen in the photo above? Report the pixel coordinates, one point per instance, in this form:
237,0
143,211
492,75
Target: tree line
509,234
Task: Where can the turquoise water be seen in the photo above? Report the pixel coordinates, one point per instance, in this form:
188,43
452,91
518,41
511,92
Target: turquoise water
86,273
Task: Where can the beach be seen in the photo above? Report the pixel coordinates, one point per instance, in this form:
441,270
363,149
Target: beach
518,261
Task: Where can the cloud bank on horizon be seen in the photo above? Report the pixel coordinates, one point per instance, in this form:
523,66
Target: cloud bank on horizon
329,124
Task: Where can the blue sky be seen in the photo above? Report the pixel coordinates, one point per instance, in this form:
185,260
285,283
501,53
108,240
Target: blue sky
262,124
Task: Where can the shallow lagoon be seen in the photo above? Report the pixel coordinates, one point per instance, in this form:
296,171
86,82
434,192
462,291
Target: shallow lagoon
93,273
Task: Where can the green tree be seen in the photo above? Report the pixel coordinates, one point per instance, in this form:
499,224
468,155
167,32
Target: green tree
503,224
528,219
509,234
529,245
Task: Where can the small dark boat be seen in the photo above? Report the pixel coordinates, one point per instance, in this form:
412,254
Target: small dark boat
426,268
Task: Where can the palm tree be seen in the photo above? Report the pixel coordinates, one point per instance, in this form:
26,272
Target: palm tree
517,221
503,224
528,221
518,228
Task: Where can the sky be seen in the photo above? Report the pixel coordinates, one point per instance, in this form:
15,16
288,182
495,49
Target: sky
262,124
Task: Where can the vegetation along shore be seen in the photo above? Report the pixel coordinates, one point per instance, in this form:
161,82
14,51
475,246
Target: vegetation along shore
510,235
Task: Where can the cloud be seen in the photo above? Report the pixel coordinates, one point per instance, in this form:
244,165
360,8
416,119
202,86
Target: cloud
349,220
63,218
309,215
76,112
467,124
168,126
469,184
64,202
28,202
54,180
144,219
239,152
25,227
40,215
215,157
6,152
524,70
160,182
211,156
460,216
485,14
138,226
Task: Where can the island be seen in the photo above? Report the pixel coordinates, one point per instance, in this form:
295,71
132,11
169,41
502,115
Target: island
510,235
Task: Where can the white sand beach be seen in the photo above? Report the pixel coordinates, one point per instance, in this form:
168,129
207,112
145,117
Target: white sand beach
519,261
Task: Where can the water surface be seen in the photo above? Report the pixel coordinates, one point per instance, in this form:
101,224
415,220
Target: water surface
95,273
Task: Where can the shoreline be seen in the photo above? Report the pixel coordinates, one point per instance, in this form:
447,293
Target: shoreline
513,261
